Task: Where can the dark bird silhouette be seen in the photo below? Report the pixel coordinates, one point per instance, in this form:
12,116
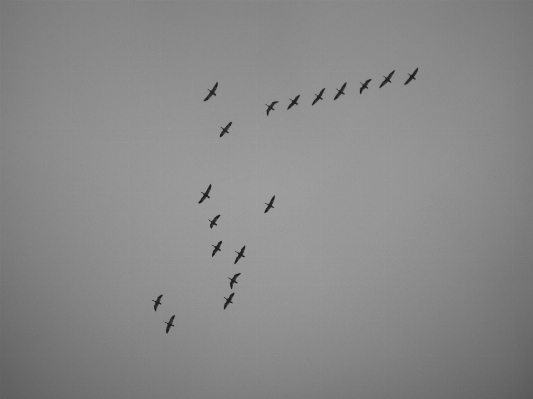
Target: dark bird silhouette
411,76
214,221
293,102
205,195
240,255
169,323
217,248
271,106
157,302
364,85
233,280
225,129
228,300
211,92
340,91
387,79
318,96
269,205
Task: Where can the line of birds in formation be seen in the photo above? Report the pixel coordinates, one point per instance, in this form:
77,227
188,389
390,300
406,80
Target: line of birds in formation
270,107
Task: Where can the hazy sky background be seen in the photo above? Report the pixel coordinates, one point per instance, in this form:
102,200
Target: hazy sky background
397,262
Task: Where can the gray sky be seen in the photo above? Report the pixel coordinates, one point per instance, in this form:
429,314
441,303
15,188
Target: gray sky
397,262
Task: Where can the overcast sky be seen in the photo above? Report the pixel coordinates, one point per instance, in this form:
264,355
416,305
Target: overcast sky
396,263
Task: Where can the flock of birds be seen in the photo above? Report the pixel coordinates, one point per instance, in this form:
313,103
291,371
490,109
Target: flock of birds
270,107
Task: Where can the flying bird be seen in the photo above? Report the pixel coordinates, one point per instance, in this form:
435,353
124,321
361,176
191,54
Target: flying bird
214,221
211,92
411,76
271,106
225,129
340,91
157,302
228,300
169,323
269,205
205,195
364,85
217,248
293,102
318,96
240,255
387,80
233,281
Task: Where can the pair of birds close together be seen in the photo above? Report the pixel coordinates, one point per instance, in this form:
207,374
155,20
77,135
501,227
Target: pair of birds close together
157,303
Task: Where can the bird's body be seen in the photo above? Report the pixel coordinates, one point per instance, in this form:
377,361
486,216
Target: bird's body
411,76
387,80
271,106
228,300
340,91
157,302
233,280
169,323
269,205
240,254
217,248
205,195
294,102
364,85
214,221
225,129
211,92
318,96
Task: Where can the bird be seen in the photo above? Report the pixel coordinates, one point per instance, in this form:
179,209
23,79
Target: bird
318,96
211,92
214,221
169,323
225,129
387,79
269,205
240,255
364,85
157,302
233,280
411,76
228,300
340,91
293,102
205,195
217,248
271,106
